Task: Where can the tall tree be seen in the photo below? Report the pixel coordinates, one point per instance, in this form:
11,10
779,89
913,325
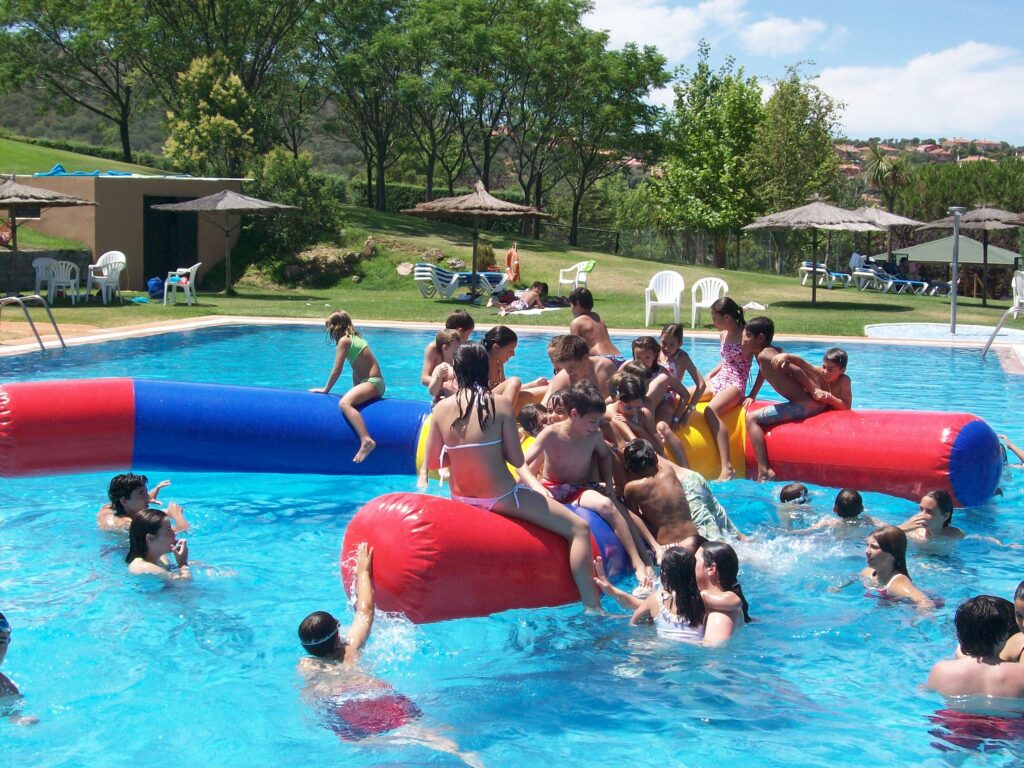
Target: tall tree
705,184
363,47
210,129
793,155
609,120
76,52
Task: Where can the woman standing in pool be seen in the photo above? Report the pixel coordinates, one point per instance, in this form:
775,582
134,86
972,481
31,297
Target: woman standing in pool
933,522
477,432
727,382
681,609
367,381
886,572
150,539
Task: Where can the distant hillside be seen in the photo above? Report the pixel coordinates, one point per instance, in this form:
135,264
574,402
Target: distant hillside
21,116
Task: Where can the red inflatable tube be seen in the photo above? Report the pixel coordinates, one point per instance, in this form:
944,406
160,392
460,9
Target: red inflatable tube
901,453
54,427
436,559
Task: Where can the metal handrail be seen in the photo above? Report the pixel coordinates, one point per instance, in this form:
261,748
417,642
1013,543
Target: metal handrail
20,301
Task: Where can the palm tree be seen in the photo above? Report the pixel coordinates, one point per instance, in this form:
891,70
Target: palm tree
890,176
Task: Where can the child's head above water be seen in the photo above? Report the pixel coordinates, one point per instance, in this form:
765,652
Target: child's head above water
848,504
794,493
320,635
123,487
983,624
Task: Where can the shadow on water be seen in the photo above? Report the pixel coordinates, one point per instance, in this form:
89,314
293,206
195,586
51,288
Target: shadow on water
843,306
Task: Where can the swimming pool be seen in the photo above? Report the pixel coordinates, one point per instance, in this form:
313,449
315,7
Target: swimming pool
120,670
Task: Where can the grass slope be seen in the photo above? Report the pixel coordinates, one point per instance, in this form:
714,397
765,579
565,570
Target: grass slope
618,283
19,157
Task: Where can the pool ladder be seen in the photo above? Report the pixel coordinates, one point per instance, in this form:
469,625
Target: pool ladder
21,302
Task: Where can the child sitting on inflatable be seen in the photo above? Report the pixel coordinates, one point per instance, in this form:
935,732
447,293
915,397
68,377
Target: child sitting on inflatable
570,449
809,390
441,383
587,324
460,321
367,380
573,362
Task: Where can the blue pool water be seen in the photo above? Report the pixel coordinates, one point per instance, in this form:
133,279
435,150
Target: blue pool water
123,671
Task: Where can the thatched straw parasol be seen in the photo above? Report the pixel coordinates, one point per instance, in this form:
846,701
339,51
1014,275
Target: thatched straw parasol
228,203
477,206
817,214
887,221
987,220
15,197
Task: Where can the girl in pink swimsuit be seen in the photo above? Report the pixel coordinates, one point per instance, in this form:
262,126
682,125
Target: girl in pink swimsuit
727,383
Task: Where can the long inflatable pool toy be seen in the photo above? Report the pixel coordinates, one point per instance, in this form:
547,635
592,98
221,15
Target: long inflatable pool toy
59,427
436,559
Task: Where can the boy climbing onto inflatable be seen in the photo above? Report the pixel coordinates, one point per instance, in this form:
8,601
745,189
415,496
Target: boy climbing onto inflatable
808,389
653,492
570,449
573,363
588,324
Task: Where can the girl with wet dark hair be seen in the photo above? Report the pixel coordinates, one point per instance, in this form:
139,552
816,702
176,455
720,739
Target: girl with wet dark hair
477,433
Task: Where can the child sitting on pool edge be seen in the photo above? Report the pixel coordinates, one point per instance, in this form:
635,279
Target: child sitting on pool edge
367,381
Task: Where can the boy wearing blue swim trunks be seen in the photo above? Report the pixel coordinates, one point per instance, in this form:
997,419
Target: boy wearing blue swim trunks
808,389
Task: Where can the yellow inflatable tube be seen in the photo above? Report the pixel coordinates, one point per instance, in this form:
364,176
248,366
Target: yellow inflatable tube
697,440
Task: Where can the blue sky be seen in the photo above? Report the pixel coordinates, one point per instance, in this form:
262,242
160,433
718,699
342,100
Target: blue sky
903,68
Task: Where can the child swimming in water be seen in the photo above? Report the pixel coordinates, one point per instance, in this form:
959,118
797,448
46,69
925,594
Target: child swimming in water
150,540
886,571
367,381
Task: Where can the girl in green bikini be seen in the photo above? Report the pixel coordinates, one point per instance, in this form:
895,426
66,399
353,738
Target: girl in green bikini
367,382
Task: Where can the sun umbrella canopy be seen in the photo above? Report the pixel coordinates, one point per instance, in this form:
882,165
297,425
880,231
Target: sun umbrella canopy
885,219
985,220
15,197
227,203
817,214
477,206
970,252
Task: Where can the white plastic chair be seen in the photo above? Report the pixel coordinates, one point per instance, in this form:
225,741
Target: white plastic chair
62,275
105,274
666,288
1016,309
711,289
41,265
576,276
184,278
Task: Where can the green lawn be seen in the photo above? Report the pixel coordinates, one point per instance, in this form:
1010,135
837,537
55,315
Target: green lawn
19,157
618,283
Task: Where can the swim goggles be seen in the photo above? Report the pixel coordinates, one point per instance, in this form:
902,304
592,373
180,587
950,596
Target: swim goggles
5,625
324,639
